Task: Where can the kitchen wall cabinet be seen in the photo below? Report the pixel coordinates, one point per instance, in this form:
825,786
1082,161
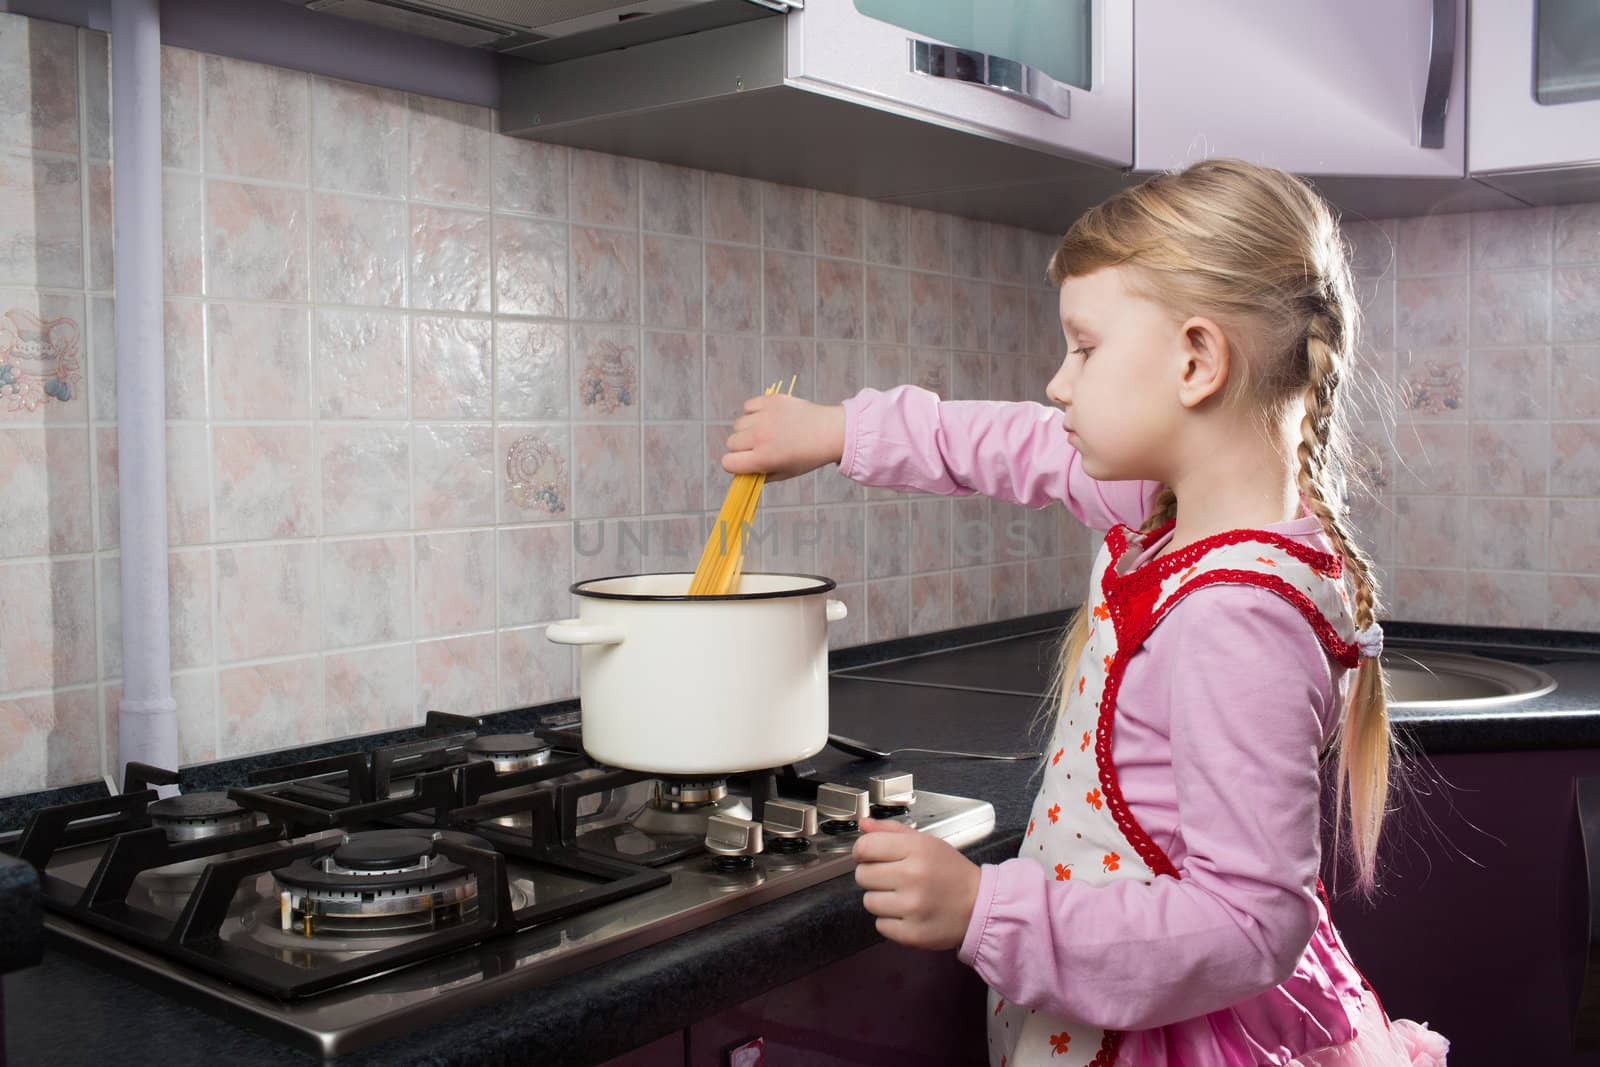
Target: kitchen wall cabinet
1056,75
826,97
1360,88
1535,98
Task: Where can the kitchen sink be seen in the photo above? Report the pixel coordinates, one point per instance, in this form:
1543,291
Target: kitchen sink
1424,680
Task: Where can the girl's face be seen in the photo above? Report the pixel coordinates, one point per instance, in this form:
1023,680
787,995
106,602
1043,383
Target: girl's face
1117,384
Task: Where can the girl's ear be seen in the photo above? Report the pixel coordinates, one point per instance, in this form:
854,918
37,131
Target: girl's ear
1207,360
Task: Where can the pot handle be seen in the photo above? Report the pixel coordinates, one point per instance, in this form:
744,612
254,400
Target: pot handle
837,610
578,632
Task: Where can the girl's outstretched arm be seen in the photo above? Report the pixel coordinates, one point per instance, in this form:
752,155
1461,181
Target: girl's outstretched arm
909,439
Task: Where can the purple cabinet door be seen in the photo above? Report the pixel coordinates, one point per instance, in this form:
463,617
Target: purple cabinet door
884,1007
1480,927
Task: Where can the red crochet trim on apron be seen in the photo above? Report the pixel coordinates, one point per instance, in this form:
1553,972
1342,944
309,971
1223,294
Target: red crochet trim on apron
1164,566
1141,586
1110,1042
1347,653
1131,601
1151,853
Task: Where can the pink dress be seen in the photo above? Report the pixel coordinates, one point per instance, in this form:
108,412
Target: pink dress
1231,960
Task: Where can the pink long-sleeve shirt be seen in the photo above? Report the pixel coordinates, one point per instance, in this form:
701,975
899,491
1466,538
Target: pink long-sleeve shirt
1220,720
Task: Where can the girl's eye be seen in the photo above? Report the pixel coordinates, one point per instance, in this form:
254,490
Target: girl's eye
1083,351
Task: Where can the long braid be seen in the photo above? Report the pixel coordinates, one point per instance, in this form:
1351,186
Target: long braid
1364,747
1162,512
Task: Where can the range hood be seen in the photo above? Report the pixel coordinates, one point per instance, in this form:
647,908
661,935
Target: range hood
548,31
721,101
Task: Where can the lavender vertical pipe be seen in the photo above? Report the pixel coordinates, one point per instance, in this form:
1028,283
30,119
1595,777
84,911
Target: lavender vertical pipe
148,716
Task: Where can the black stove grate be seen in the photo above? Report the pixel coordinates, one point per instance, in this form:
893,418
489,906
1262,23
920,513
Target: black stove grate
195,938
434,786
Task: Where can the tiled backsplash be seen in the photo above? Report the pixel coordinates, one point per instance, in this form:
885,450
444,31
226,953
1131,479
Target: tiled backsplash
1487,325
421,376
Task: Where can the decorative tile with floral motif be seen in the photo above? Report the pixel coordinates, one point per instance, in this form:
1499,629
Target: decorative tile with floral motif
608,381
38,360
1438,389
536,474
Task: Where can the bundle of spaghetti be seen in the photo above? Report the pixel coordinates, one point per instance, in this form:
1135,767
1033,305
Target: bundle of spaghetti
722,560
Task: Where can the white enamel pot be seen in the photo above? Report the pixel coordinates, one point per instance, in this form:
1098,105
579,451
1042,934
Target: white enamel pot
702,686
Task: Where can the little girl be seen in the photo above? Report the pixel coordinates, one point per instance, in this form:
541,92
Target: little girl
1165,909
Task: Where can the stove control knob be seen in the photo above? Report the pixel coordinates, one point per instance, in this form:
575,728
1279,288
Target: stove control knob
841,808
733,842
891,794
790,823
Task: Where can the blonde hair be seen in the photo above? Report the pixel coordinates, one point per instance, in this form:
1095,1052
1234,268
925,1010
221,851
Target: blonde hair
1258,251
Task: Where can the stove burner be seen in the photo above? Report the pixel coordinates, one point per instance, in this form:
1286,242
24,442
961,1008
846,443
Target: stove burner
674,794
328,943
509,752
192,816
382,852
683,807
379,882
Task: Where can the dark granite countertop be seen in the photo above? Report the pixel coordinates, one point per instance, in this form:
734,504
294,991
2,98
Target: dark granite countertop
886,699
1565,718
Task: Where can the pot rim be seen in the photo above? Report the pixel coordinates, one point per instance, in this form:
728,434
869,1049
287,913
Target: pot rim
827,585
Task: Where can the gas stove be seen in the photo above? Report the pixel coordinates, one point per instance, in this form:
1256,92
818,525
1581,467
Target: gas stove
343,901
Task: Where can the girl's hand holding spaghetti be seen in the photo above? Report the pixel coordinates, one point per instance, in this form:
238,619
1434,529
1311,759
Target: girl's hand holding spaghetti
921,889
784,437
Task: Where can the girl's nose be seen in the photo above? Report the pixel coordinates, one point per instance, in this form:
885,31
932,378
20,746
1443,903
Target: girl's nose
1060,389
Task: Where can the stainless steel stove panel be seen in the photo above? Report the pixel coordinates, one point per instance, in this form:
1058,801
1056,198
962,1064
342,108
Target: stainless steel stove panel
386,1006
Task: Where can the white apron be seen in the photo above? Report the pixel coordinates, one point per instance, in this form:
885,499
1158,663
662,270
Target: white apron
1080,829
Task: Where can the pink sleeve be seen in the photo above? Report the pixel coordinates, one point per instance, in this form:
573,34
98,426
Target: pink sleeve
1249,685
907,438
